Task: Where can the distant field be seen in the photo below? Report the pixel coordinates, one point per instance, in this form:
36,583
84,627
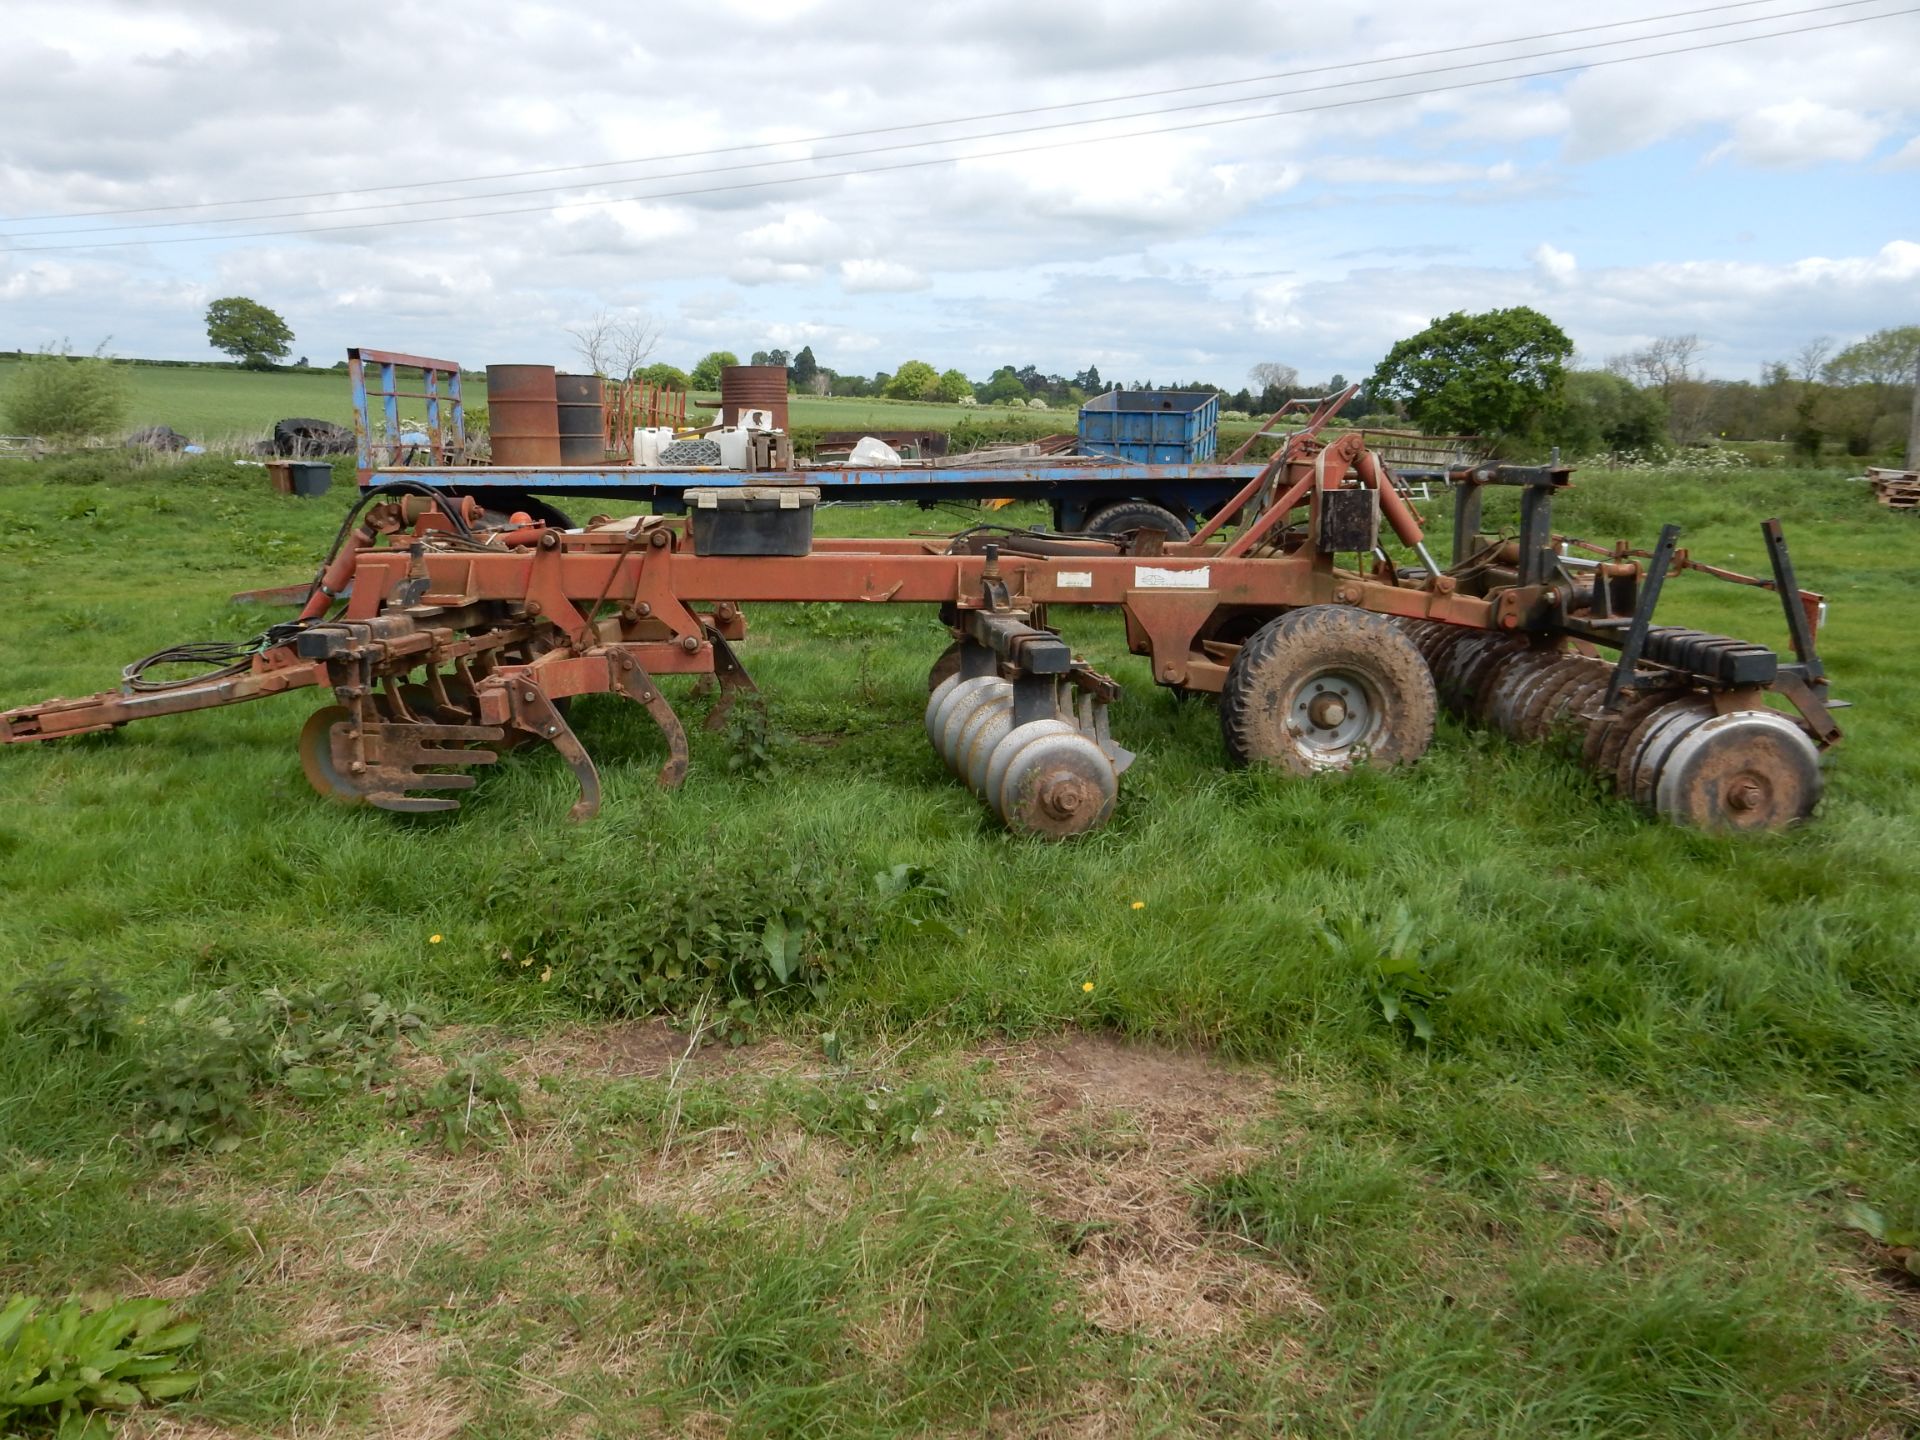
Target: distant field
221,404
209,404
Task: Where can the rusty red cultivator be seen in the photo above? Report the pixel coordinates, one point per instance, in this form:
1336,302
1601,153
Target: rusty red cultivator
446,640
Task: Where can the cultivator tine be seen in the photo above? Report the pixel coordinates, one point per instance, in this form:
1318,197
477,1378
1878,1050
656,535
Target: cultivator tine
535,713
396,758
733,680
636,684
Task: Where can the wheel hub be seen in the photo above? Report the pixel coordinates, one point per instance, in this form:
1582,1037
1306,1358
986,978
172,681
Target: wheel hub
1332,713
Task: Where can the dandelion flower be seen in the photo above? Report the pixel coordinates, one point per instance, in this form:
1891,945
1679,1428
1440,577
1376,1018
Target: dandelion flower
433,939
546,975
1139,904
1088,987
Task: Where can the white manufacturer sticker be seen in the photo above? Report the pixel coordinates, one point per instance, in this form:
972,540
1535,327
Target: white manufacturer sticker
1073,580
1152,577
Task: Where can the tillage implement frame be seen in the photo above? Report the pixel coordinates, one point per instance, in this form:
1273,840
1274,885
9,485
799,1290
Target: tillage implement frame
448,635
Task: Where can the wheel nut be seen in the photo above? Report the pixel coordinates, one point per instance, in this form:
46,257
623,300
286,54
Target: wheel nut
1744,795
689,643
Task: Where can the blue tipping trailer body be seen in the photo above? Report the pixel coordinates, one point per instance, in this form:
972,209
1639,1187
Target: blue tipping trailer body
1151,427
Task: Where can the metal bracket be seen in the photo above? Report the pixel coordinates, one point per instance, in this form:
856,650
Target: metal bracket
1799,628
1636,636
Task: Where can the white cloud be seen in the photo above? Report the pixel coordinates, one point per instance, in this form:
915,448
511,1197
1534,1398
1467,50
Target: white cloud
880,277
1557,266
1329,234
1799,133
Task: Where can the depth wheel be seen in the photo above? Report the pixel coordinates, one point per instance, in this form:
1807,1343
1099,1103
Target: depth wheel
1326,688
944,668
316,757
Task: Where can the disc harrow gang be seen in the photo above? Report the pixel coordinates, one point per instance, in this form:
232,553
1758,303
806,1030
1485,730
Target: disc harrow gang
1666,746
449,637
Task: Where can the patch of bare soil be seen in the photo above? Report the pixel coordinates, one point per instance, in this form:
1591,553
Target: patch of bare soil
1111,1139
634,1049
1121,1136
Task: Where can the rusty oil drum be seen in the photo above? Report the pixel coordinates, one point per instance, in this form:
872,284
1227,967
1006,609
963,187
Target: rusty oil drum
523,417
753,387
583,419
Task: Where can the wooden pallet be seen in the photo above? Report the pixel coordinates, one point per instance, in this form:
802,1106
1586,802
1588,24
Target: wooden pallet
1896,489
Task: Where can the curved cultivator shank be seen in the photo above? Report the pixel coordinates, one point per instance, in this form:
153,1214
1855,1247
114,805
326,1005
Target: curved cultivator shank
448,636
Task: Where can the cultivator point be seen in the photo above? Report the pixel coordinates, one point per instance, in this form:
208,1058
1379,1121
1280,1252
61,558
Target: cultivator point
447,641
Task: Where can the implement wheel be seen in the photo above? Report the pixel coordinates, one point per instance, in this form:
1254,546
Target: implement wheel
1325,688
316,757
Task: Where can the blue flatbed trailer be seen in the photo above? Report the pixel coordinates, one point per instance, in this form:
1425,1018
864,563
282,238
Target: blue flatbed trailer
1076,486
1075,489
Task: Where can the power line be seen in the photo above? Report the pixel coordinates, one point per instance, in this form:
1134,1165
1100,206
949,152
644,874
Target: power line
947,140
917,125
981,155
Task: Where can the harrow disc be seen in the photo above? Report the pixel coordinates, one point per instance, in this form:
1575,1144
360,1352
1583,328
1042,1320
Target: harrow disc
1046,778
1744,771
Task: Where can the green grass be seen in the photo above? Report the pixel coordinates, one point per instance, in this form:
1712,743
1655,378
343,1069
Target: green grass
1607,1200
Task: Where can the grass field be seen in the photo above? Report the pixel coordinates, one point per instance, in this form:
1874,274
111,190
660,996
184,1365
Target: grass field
1102,1139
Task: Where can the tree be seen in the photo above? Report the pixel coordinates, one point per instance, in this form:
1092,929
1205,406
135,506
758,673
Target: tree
667,377
1272,375
248,331
1871,381
1487,374
804,368
1601,409
1089,380
706,375
59,397
1003,385
952,385
615,345
915,380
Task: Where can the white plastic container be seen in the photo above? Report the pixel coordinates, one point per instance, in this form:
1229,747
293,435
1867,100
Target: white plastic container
649,441
733,446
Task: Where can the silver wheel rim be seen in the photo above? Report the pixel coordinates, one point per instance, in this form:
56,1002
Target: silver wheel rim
1331,714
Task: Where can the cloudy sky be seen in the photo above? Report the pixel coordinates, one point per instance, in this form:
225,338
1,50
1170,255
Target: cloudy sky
1344,177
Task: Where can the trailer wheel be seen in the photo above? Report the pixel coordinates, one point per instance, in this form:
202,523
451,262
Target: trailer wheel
1325,688
1137,515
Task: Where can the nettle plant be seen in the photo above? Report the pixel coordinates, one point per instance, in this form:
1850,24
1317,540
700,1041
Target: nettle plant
210,1057
722,938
